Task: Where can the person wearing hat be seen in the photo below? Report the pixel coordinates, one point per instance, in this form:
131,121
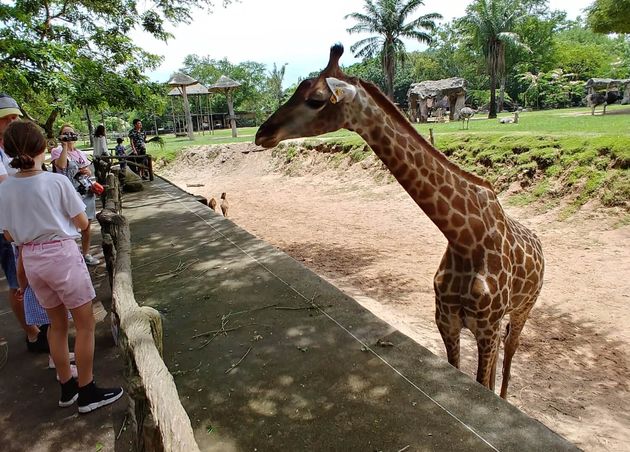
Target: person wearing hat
35,338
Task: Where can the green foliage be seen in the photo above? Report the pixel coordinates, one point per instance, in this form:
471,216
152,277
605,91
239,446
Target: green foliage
252,95
56,55
610,16
552,89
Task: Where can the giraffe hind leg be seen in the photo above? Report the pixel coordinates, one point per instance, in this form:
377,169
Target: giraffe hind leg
488,350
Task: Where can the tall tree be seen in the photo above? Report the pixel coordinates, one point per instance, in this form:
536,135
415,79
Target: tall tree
609,16
491,25
388,20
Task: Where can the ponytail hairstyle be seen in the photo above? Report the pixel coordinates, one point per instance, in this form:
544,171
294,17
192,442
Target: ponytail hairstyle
24,140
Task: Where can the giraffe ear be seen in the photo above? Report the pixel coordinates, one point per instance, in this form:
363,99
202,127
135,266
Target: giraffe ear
340,90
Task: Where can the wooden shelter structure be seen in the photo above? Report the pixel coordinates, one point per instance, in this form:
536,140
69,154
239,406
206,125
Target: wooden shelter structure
426,95
609,84
181,81
203,113
227,86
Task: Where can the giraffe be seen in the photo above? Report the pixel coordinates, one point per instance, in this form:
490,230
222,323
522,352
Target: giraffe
492,266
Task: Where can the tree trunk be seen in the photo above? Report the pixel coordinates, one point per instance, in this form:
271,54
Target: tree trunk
493,63
501,94
389,76
90,126
48,126
232,117
189,124
492,113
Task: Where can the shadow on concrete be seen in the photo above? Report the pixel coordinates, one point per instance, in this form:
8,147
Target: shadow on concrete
273,374
30,419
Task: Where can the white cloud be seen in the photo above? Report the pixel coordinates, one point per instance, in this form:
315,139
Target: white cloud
296,32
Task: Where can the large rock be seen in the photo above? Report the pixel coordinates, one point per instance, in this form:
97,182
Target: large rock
132,182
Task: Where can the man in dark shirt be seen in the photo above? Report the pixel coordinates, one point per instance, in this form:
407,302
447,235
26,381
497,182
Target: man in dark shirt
138,140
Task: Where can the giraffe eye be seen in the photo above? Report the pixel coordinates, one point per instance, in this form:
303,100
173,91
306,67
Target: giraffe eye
315,104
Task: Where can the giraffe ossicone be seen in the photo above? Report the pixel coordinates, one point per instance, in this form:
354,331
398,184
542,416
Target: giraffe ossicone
492,267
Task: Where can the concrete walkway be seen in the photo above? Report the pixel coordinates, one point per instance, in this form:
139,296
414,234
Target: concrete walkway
290,363
30,419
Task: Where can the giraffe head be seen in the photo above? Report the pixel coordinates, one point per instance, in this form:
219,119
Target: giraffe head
316,107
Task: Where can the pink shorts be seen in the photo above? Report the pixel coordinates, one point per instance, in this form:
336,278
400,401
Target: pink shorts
57,274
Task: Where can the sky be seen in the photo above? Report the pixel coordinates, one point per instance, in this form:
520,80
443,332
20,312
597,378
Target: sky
296,32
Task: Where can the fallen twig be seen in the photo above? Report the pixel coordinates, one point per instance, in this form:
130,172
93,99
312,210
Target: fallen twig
239,361
563,412
122,427
250,310
221,330
177,373
290,308
181,267
405,448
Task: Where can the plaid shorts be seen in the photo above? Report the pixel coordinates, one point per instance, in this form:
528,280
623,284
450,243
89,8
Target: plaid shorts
33,311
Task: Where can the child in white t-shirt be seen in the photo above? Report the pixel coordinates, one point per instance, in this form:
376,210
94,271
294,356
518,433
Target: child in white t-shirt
42,215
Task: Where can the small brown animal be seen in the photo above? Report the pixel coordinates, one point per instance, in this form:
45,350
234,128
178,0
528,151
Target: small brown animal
224,204
213,204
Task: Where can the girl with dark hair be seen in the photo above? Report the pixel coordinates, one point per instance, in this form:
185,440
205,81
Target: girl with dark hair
43,216
100,141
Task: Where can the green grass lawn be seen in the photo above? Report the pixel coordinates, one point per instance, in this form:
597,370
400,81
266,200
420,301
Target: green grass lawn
575,123
562,151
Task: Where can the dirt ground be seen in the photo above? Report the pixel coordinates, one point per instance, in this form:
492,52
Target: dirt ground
353,226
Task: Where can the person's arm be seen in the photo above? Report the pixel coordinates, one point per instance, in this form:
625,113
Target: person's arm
133,144
81,221
21,273
61,162
85,169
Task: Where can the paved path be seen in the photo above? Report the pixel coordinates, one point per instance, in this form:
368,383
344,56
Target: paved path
30,419
289,362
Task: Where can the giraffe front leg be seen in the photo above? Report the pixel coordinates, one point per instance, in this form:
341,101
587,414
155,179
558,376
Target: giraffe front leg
450,328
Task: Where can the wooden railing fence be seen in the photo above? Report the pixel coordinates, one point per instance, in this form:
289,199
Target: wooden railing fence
158,418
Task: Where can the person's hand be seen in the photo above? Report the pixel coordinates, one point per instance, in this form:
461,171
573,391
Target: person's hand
19,294
85,171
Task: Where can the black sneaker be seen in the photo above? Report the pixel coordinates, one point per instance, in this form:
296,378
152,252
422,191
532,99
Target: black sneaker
91,397
41,344
69,393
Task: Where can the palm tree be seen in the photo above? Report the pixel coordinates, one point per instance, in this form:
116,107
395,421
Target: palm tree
387,19
276,77
491,24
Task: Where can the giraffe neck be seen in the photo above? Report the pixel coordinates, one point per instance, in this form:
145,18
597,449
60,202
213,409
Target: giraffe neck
451,197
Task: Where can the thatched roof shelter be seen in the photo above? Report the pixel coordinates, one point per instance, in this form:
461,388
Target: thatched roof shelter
181,81
424,95
224,83
195,89
226,86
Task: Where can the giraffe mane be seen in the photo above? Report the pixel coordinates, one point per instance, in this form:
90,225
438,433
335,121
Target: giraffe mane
394,112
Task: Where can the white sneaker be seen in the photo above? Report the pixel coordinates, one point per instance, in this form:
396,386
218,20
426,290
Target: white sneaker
90,260
51,363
